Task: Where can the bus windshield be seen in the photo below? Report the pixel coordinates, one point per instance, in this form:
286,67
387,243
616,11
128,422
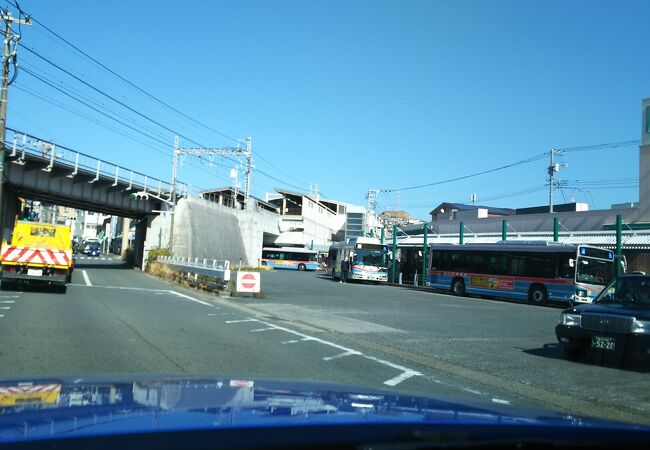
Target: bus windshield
370,257
594,271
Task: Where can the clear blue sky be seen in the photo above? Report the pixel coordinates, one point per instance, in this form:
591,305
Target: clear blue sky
353,95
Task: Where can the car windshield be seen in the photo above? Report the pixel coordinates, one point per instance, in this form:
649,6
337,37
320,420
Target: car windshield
389,195
627,290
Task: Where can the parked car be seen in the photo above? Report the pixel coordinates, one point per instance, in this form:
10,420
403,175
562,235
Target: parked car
618,320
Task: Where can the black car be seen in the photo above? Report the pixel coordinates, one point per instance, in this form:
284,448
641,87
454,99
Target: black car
618,320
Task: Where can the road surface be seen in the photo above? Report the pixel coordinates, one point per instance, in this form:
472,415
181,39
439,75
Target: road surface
115,320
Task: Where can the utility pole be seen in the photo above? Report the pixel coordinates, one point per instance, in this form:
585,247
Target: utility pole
8,55
173,208
552,168
249,143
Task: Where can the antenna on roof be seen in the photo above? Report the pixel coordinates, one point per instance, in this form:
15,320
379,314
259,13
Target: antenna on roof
472,198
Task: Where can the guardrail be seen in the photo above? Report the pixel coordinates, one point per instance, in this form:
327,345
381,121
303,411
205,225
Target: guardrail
209,267
49,153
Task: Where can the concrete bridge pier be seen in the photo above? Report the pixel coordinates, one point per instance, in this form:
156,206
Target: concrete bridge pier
9,208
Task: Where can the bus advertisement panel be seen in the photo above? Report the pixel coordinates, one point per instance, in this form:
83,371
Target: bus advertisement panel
290,258
367,256
537,272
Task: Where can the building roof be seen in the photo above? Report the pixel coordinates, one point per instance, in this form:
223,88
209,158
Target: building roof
463,207
240,194
606,239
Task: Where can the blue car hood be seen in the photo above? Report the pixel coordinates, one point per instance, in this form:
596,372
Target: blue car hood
47,408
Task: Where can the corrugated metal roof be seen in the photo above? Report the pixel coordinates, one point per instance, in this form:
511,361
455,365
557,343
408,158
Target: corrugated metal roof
631,241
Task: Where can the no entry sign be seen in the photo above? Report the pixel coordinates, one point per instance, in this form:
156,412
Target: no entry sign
248,282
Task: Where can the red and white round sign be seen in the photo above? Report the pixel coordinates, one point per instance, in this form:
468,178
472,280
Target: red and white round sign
248,282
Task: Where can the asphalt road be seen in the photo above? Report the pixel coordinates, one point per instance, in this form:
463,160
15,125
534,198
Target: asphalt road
115,320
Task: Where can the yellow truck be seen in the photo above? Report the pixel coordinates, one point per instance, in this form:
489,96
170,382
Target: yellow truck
38,254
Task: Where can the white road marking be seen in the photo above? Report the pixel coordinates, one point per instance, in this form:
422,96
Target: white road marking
212,314
242,320
340,355
259,330
2,315
78,380
401,377
406,372
103,259
9,296
7,301
86,279
5,307
503,402
192,299
473,391
122,288
292,341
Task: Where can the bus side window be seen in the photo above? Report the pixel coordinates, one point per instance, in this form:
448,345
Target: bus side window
517,265
565,270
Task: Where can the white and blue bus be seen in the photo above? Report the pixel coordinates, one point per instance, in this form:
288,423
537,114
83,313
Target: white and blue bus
537,272
367,256
292,258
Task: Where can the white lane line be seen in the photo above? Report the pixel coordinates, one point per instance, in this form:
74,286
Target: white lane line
242,321
500,401
406,372
212,314
192,299
292,341
86,279
7,301
340,355
401,377
121,288
259,330
2,315
9,296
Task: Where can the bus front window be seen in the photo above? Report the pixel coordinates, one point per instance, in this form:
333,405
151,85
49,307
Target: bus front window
370,257
594,271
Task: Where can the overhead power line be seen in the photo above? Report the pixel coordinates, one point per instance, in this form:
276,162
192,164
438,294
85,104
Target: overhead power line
464,177
120,77
584,148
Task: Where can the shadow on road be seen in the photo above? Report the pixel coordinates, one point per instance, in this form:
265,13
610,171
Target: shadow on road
618,360
97,265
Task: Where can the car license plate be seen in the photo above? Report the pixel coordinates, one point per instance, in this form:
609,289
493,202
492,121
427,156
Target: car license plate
35,272
603,343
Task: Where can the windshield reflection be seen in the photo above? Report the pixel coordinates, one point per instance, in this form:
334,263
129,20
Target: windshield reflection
627,290
593,271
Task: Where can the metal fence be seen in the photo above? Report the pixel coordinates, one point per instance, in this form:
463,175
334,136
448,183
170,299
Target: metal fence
209,267
23,145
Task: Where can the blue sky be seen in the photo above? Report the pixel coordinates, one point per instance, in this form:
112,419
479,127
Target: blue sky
354,95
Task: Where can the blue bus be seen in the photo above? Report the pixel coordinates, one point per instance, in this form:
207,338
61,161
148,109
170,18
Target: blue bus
293,258
537,272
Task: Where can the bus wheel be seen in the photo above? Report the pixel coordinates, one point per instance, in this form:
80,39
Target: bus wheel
458,286
537,295
301,267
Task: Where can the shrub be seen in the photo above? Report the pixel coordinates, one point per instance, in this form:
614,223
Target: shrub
154,253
